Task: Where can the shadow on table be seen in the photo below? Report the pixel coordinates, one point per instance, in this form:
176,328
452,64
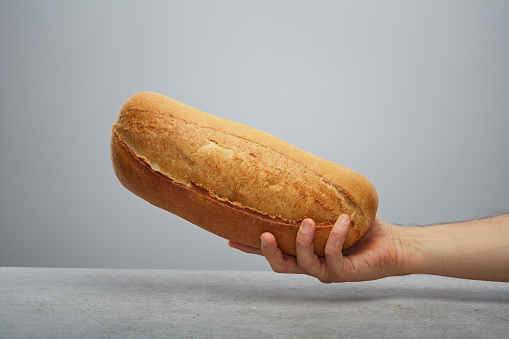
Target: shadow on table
272,287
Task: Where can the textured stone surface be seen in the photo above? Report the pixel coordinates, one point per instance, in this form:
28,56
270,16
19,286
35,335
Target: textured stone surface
65,303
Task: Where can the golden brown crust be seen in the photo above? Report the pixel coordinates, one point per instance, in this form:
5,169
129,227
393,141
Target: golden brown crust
207,170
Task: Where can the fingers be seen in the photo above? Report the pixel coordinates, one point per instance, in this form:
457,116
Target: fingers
278,261
334,246
331,269
326,269
244,248
306,257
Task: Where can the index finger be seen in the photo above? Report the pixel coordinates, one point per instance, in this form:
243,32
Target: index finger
245,248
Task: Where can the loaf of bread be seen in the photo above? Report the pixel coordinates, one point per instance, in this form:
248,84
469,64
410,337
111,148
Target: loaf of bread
233,180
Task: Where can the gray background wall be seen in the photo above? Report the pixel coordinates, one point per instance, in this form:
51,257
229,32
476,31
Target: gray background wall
413,95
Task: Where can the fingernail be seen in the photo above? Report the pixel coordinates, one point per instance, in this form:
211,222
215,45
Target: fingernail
263,242
344,219
306,226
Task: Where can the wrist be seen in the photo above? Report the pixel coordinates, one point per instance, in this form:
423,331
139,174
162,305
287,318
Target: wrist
408,248
429,250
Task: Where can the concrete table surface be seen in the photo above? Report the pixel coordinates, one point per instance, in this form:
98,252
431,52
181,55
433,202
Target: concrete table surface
96,303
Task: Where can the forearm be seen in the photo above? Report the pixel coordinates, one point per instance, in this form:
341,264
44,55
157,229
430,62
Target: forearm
472,250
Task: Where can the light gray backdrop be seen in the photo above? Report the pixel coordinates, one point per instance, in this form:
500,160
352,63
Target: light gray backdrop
413,95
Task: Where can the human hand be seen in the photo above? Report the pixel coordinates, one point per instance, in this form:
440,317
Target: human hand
375,255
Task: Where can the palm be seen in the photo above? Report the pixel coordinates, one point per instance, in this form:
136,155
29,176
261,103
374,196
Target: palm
371,257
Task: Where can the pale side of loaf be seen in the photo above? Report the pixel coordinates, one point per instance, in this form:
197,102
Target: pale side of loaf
231,179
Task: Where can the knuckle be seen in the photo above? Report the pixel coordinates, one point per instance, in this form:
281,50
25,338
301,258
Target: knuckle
310,265
325,280
339,276
332,251
336,234
302,242
280,267
277,269
303,263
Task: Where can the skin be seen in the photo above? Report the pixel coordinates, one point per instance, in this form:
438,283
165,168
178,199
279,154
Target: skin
471,250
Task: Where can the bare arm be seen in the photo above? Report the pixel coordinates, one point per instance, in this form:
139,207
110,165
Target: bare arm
472,250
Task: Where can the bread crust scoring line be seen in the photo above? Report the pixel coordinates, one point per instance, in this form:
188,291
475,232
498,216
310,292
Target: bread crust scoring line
146,162
338,189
